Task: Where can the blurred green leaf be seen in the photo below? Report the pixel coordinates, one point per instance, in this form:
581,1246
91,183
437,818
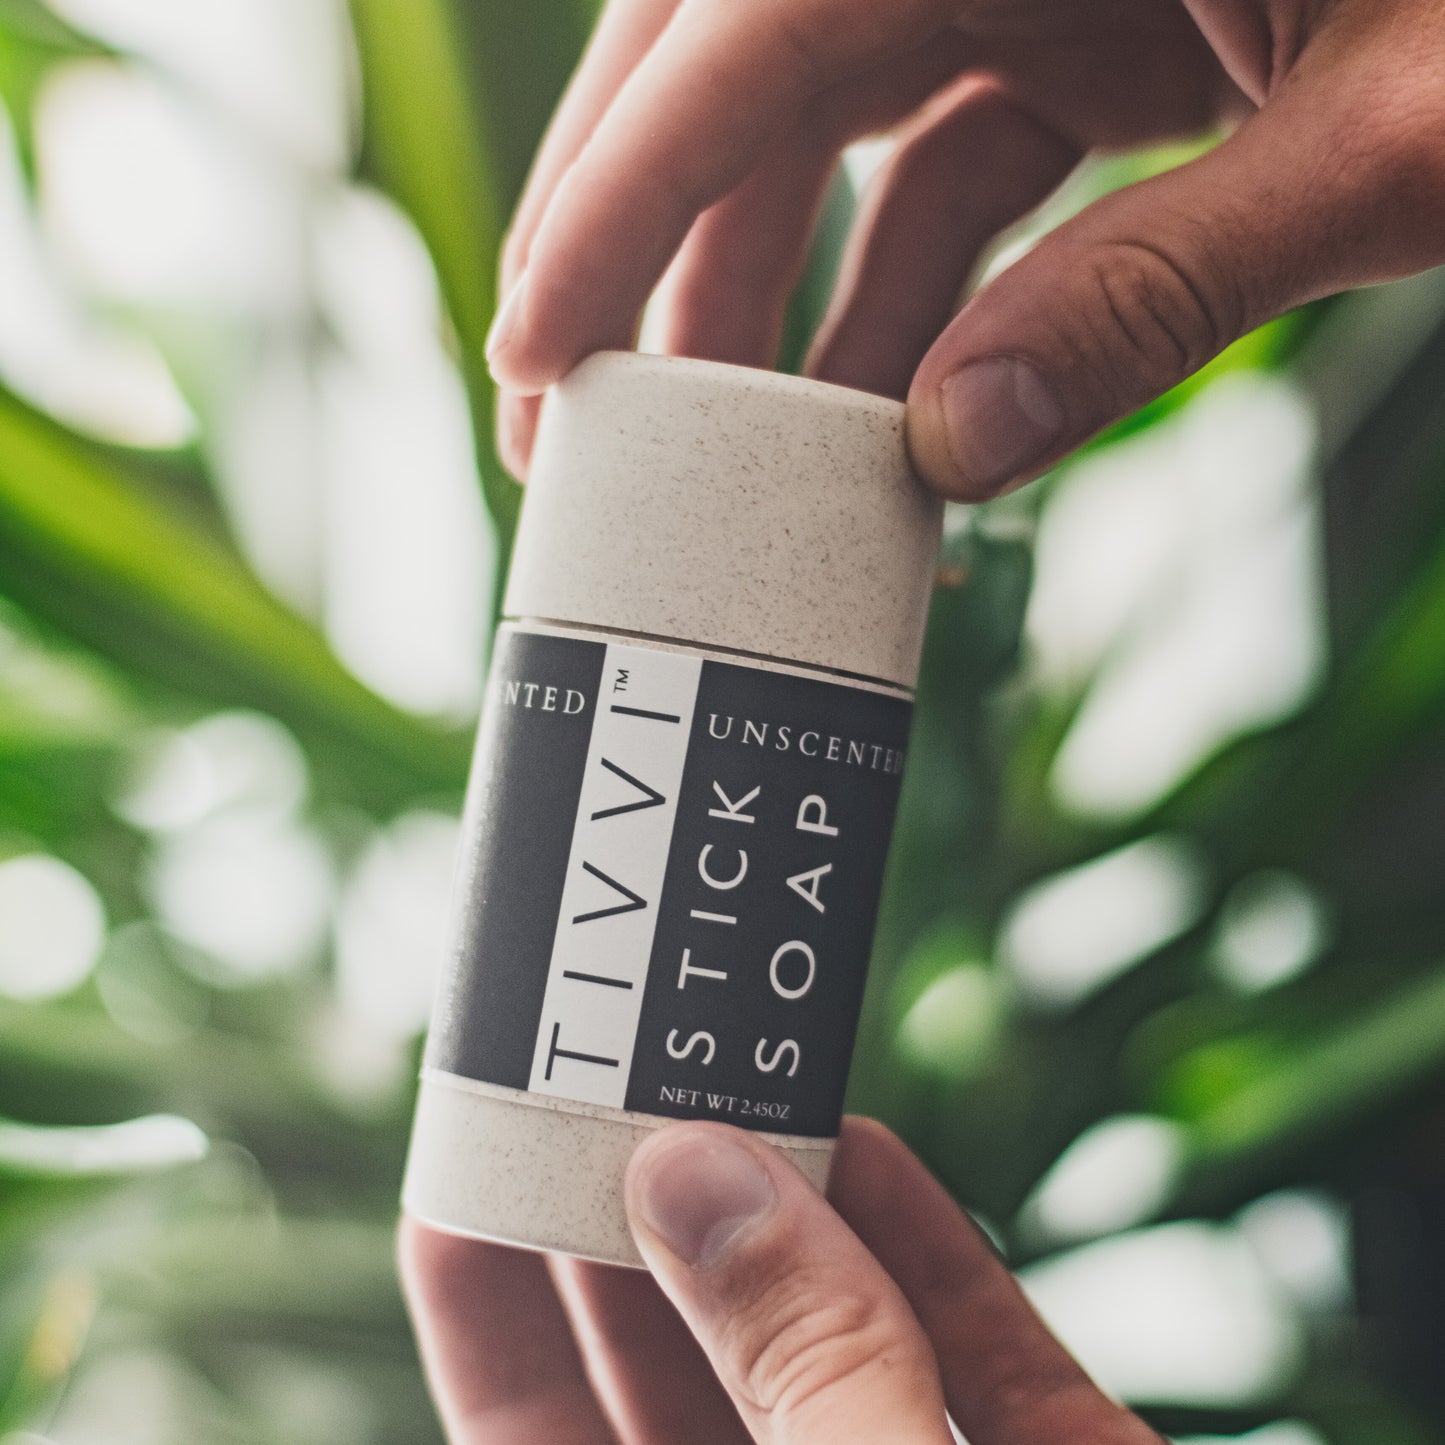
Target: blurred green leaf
809,302
51,1180
423,135
429,140
42,1328
518,58
255,1085
1394,690
949,814
950,1007
942,869
53,702
84,550
1254,1093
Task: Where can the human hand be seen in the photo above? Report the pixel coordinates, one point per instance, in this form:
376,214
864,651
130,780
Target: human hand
768,1316
701,134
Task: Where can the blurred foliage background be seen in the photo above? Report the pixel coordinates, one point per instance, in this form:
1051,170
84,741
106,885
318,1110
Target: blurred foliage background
1160,986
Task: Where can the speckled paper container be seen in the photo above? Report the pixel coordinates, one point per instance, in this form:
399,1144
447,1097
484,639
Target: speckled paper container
793,499
795,502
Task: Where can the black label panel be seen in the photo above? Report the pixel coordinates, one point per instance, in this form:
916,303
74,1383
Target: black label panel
526,777
670,884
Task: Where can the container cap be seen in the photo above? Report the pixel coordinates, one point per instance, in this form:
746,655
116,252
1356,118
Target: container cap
740,509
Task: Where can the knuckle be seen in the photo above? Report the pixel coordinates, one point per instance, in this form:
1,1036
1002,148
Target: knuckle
802,1342
1389,142
1156,322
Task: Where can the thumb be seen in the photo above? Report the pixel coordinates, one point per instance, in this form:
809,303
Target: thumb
809,1336
1309,197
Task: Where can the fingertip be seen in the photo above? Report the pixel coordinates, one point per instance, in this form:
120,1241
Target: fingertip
869,1136
547,335
508,316
985,427
928,446
514,370
703,1134
696,1189
517,351
523,375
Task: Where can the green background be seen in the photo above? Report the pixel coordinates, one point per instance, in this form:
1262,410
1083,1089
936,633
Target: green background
1253,1075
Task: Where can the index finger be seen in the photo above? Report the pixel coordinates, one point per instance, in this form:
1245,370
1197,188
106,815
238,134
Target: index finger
690,123
623,36
1006,1379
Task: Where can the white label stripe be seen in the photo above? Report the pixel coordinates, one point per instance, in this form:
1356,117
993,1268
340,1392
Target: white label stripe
621,837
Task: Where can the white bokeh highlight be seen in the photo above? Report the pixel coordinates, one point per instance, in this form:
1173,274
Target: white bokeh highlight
1301,1239
1178,574
1116,1175
235,760
148,199
391,924
1070,934
85,369
156,1141
954,1021
1181,1313
206,193
1281,1432
252,893
1272,927
52,927
410,558
280,71
237,873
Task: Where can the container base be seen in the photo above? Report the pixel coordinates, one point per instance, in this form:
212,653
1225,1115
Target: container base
490,1163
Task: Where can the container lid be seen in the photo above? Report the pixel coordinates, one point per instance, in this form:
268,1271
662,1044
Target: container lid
736,508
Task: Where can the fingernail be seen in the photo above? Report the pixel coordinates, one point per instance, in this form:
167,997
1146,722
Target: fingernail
699,1196
1001,418
504,323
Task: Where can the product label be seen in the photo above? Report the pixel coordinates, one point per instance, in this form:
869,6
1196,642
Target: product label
671,877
